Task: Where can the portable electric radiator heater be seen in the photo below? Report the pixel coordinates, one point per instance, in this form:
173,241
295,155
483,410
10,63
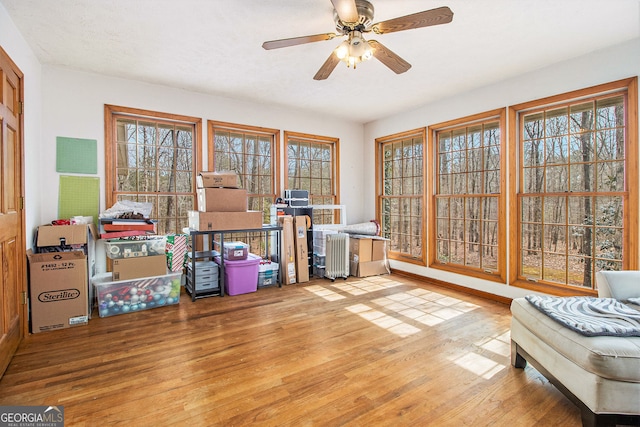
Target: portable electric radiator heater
337,256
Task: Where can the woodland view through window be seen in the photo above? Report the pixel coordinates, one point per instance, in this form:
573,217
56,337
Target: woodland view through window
468,197
251,153
401,196
312,165
575,179
152,157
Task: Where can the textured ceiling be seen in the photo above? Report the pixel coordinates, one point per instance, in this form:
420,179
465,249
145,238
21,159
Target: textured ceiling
214,46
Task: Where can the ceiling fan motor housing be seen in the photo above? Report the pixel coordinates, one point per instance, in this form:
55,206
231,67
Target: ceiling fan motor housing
365,18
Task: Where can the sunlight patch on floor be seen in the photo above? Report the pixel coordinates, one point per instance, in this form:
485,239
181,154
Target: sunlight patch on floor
417,305
478,364
500,345
325,293
364,286
428,308
383,320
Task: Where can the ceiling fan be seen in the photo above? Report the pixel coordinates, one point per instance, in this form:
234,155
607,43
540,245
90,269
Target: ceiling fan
353,19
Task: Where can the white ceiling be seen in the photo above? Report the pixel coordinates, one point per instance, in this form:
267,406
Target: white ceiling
214,46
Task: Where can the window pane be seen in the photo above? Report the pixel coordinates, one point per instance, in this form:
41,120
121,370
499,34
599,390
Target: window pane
250,154
556,123
581,149
403,181
576,235
610,112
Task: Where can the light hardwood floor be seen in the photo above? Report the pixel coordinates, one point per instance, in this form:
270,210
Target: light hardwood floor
384,350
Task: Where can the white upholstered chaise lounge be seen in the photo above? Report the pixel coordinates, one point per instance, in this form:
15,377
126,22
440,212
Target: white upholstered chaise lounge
600,374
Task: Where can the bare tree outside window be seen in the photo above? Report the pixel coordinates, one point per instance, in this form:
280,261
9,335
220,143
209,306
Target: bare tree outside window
312,165
468,195
251,152
401,194
153,158
572,191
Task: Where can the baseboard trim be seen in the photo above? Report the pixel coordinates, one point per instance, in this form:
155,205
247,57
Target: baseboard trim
448,285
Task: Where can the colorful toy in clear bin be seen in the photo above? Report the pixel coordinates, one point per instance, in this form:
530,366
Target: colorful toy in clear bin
139,294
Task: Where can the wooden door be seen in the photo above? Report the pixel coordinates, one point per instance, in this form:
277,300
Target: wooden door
13,311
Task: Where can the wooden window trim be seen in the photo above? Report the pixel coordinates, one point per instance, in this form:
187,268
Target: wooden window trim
630,260
334,142
501,274
111,111
213,125
379,142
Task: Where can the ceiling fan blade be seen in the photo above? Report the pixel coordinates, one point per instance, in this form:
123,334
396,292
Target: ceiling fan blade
441,15
346,9
294,41
388,58
327,68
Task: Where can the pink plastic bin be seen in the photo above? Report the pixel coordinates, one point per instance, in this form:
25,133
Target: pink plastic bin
241,277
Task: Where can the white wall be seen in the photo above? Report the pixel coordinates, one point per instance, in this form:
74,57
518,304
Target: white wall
62,102
599,67
19,51
73,106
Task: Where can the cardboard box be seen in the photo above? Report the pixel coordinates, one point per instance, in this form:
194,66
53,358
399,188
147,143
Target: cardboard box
69,235
365,249
222,221
80,237
379,249
370,268
58,290
228,179
360,249
222,199
302,250
288,251
135,268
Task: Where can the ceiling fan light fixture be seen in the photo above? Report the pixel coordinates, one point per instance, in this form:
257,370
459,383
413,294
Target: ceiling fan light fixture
368,52
342,51
353,18
354,50
356,44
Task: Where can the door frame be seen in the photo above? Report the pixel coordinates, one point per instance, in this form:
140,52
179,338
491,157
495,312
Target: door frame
21,268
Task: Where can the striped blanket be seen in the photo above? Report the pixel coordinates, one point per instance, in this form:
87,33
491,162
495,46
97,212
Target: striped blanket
590,316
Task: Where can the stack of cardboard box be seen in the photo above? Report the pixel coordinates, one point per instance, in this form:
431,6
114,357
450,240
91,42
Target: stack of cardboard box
59,272
218,197
368,256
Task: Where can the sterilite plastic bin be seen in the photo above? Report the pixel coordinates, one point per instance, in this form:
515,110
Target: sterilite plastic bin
126,296
267,273
241,277
235,251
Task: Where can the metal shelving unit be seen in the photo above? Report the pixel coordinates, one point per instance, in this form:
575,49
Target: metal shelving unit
210,253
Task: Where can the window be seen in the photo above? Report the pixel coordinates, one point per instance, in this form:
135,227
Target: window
400,189
468,232
312,165
252,153
577,187
153,157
